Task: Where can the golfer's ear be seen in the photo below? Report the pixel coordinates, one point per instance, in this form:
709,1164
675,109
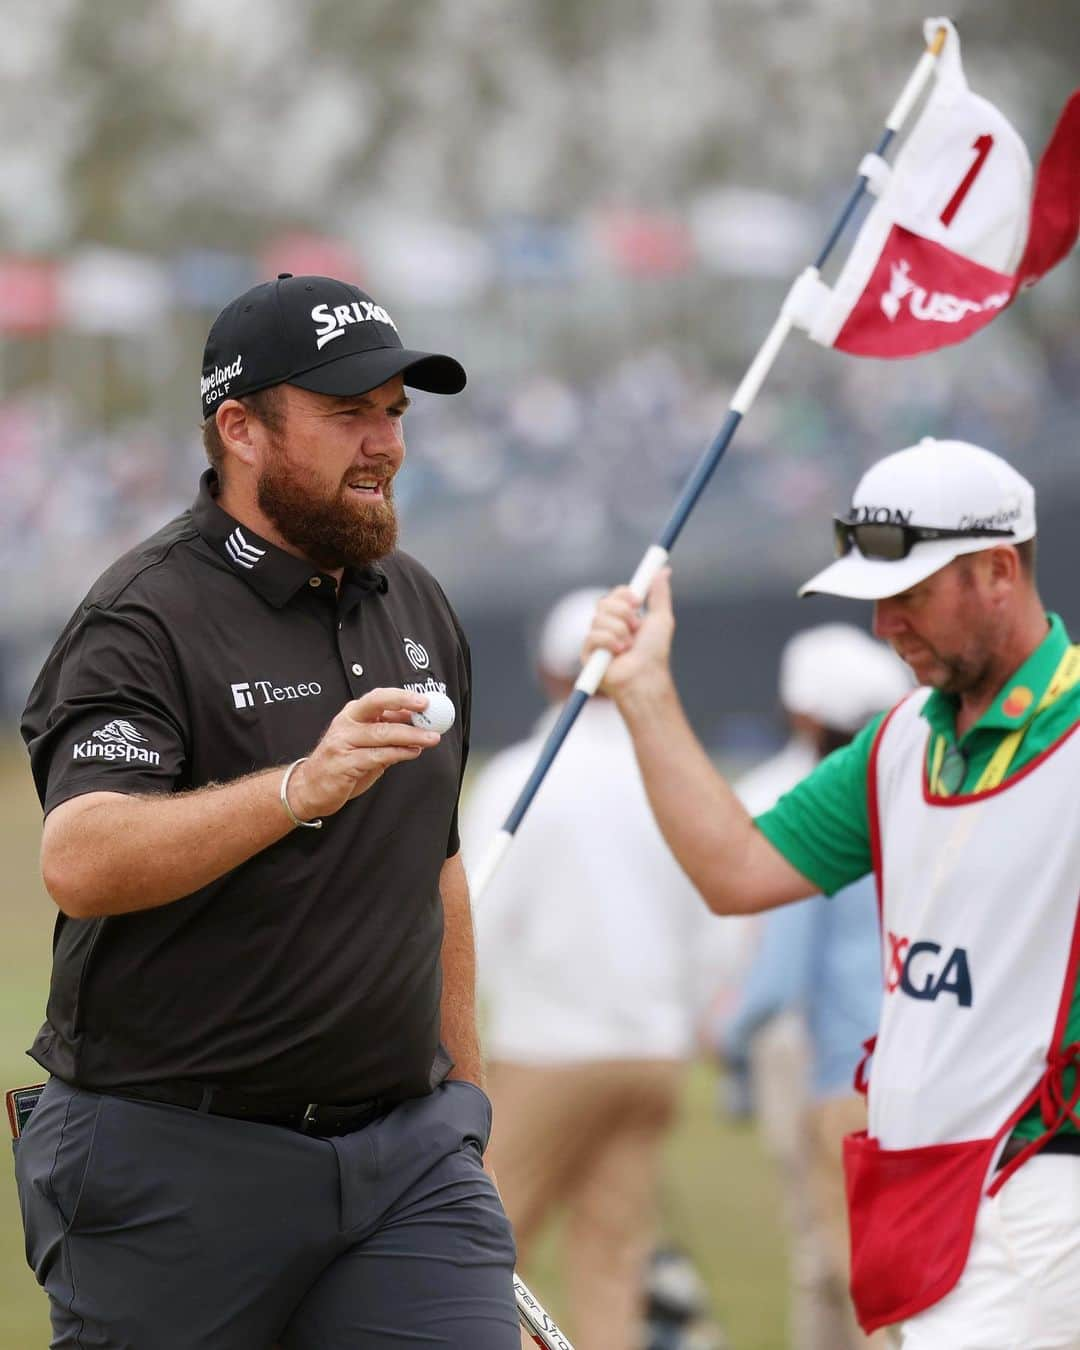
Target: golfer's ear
235,423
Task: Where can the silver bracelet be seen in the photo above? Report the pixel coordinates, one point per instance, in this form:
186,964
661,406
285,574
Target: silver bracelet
306,824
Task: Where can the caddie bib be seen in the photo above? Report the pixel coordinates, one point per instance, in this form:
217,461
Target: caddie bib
978,899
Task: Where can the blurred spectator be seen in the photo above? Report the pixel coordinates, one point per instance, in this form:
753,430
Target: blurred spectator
591,947
677,1305
812,993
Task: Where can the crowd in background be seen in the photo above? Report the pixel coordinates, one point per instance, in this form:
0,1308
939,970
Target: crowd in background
534,480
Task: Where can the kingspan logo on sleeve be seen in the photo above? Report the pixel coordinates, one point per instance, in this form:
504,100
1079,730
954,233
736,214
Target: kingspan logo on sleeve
117,740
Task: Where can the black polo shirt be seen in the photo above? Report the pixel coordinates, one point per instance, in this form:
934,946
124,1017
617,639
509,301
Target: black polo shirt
311,972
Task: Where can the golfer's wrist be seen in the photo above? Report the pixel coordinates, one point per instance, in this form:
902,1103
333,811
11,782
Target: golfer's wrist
294,798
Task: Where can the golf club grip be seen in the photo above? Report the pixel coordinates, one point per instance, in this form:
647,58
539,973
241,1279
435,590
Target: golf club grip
537,1323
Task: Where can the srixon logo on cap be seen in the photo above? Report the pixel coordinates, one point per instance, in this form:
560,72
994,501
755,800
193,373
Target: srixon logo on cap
879,515
333,321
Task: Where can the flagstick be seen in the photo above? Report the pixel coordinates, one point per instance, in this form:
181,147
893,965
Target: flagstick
657,554
909,96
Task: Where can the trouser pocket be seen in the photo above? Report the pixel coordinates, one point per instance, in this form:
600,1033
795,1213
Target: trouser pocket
53,1161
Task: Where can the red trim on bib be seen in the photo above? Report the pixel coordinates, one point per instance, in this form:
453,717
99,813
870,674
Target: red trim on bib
873,818
963,799
861,1081
1070,979
1049,1091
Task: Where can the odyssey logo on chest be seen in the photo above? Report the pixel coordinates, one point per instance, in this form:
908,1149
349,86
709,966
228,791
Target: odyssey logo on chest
920,970
252,693
333,320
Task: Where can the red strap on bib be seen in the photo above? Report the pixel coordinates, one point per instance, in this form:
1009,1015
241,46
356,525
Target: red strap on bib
862,1078
1055,1108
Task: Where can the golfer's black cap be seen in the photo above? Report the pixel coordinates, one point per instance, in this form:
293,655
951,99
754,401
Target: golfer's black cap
318,333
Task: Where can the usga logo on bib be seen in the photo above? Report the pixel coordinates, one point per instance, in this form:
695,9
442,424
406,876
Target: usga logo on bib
922,971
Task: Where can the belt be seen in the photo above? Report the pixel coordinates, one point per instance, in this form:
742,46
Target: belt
1058,1143
316,1118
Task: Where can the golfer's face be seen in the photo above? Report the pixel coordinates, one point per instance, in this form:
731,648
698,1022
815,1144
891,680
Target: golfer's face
325,475
346,448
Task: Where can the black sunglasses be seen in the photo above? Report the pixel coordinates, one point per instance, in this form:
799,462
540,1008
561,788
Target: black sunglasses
891,542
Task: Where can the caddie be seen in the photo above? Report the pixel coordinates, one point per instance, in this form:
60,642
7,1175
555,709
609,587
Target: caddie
964,1194
265,1120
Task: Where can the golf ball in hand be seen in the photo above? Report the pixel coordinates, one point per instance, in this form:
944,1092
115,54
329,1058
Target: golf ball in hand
437,716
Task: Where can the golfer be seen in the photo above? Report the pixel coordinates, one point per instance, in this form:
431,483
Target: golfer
265,1121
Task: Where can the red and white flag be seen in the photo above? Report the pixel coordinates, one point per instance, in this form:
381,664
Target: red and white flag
956,231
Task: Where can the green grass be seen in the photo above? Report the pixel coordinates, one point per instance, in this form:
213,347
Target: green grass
26,913
720,1198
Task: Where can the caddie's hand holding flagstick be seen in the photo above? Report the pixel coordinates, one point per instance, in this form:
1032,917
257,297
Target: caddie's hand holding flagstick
954,236
636,641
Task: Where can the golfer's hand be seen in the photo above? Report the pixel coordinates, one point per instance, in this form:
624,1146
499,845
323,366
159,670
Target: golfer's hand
366,737
640,643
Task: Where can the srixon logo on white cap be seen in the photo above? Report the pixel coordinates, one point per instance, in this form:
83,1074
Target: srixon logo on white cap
879,515
333,321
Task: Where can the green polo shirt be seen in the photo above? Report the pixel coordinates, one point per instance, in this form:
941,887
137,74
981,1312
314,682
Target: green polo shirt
822,826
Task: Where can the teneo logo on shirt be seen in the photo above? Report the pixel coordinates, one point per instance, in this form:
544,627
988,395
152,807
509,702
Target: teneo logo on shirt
920,970
333,322
417,655
216,384
244,693
116,740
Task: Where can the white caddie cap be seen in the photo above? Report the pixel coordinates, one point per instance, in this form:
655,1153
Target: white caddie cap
839,676
564,631
948,485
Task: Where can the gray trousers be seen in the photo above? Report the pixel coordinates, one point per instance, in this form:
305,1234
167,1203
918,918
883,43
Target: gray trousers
157,1228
